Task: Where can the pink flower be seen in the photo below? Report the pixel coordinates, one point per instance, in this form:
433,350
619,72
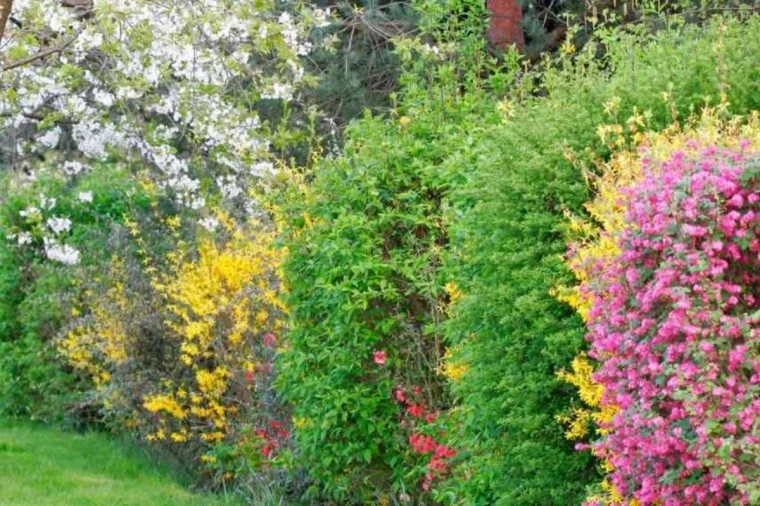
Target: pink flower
673,347
270,339
379,357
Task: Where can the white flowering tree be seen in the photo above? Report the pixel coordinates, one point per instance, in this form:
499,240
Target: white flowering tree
171,87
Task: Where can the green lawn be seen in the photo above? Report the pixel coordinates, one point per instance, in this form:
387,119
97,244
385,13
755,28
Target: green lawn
46,467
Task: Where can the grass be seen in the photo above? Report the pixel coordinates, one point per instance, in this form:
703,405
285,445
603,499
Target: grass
46,467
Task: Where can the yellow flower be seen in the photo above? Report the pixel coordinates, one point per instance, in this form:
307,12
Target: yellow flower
165,403
567,48
506,108
174,222
451,369
179,437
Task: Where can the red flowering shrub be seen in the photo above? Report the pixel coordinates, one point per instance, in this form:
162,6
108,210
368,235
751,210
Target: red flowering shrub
438,464
674,325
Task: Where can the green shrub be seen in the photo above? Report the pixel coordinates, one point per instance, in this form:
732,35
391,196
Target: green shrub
364,276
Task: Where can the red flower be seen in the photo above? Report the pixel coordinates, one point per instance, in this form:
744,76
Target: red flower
421,443
415,410
443,451
400,394
249,376
379,357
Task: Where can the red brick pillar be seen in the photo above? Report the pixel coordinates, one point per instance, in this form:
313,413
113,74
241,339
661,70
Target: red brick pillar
505,27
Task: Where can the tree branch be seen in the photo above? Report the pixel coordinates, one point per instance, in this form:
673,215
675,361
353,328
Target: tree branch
45,52
39,117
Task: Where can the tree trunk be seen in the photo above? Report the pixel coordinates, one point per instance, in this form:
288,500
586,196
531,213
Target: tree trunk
5,13
505,27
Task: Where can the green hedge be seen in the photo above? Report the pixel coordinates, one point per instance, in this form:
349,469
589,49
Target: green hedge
364,276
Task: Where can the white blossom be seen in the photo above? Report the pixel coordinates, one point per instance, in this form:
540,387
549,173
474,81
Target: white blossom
47,203
321,17
28,212
210,223
59,225
62,253
73,167
103,97
50,138
24,238
262,169
85,196
173,68
229,187
278,91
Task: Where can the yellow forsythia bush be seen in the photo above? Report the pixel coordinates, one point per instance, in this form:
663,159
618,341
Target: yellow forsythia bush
596,237
185,356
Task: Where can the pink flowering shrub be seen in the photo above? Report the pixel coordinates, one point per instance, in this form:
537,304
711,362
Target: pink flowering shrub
674,326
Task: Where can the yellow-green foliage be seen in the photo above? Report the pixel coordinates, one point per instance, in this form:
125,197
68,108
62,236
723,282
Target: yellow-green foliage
597,234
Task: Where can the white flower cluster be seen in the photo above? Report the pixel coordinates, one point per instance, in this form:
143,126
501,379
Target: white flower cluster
61,252
59,225
51,229
168,84
210,223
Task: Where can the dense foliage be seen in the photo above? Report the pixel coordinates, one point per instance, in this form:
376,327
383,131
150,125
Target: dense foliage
366,297
37,296
378,317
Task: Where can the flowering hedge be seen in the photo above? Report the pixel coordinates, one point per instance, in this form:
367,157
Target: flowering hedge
601,245
674,323
672,313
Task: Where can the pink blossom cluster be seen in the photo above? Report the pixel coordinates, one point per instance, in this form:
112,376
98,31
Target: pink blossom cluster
674,327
